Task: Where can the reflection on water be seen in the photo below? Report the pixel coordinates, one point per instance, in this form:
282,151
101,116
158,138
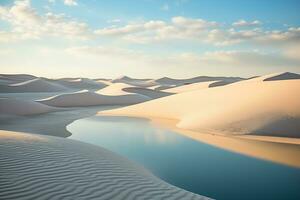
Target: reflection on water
190,164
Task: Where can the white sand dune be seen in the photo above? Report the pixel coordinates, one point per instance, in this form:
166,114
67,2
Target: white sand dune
246,107
134,81
126,89
171,81
81,83
34,85
15,78
114,89
153,94
45,167
87,98
190,87
11,106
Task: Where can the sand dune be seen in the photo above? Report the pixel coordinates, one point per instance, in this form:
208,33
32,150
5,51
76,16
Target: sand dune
171,81
190,87
283,76
153,94
81,83
126,89
10,106
134,82
45,167
246,107
34,85
114,89
15,78
87,98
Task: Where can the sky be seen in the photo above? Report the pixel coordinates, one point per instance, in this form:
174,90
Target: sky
149,38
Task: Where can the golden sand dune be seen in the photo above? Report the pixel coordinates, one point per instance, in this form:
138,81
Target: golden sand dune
247,107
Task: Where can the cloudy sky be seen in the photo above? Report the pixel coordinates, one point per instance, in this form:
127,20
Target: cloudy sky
149,38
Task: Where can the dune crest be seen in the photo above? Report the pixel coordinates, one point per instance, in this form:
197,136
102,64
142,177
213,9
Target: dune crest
33,85
88,98
23,107
246,107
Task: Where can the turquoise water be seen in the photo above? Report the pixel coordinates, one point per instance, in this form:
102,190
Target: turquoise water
189,164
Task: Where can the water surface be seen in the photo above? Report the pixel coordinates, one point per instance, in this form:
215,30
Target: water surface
189,164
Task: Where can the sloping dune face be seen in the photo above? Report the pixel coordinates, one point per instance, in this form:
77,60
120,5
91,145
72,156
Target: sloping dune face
153,94
126,89
34,85
248,107
134,82
170,81
283,76
87,98
15,78
190,87
81,83
114,89
44,167
23,107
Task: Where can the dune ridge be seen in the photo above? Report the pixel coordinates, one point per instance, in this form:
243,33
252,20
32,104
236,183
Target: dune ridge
45,167
33,85
9,106
88,98
240,108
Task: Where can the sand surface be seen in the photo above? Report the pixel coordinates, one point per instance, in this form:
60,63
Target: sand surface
12,106
53,123
88,98
253,106
45,167
34,85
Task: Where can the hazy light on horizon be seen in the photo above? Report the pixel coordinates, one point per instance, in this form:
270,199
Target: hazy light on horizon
182,38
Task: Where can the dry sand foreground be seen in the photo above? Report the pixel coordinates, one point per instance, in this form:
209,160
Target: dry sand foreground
45,167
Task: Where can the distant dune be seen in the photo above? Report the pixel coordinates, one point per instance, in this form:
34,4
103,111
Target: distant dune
153,94
126,89
114,89
189,87
283,76
87,98
81,83
134,82
171,81
45,167
15,78
33,85
23,107
251,106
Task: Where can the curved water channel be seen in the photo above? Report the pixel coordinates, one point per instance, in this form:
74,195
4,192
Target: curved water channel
189,164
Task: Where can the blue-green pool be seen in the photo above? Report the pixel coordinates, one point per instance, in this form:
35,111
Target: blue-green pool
189,164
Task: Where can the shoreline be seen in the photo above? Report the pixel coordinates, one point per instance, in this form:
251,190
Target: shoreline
278,150
61,167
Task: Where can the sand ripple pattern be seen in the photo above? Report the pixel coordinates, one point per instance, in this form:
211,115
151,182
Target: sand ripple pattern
45,167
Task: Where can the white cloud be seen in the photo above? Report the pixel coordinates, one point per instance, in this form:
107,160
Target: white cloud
145,32
244,23
26,23
70,2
